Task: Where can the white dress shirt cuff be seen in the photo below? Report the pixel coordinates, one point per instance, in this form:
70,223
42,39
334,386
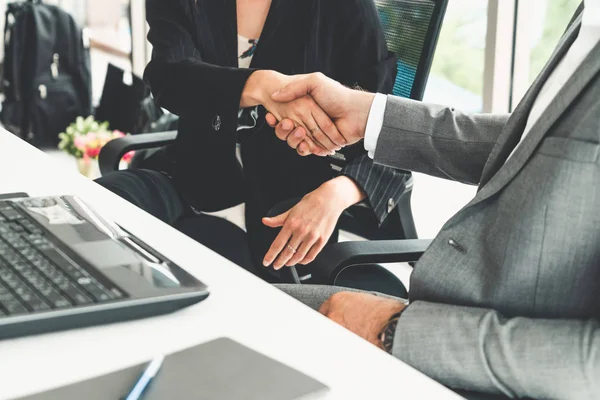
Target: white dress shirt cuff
375,123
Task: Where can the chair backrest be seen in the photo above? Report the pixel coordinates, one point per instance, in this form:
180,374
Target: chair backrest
412,28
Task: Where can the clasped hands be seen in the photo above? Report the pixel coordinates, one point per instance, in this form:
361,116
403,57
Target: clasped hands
312,113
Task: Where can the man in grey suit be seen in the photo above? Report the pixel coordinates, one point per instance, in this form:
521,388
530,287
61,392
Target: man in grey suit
507,298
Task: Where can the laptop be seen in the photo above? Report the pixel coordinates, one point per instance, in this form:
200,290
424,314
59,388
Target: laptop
64,266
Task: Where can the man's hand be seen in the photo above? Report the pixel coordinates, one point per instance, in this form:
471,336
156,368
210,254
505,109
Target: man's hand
307,227
321,134
349,109
364,314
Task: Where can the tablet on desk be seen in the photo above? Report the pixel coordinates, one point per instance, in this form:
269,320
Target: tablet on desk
220,369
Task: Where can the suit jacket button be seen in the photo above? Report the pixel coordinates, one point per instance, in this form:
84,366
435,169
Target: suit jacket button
391,205
216,124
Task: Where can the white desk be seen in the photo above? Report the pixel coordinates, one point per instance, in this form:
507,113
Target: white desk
240,306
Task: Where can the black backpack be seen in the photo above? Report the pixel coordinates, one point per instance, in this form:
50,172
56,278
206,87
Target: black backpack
46,74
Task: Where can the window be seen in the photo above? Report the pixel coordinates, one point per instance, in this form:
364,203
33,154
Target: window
110,38
109,30
536,39
547,30
457,74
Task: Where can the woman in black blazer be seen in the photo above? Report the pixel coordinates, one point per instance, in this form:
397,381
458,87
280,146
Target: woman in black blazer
195,73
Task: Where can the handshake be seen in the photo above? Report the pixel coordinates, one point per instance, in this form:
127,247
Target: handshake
312,113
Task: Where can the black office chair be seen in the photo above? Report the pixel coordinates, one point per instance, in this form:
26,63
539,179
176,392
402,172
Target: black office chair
411,28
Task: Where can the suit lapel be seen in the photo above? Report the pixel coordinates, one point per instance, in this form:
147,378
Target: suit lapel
281,18
229,27
506,171
219,22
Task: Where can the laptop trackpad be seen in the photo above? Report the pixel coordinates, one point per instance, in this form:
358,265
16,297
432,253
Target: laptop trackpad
105,253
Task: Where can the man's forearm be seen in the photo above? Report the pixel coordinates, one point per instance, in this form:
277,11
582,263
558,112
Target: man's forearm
437,140
479,350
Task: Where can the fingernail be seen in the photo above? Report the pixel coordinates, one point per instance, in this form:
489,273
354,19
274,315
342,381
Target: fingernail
287,125
276,93
266,263
298,134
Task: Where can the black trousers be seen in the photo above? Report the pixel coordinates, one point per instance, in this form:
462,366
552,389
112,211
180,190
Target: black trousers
155,193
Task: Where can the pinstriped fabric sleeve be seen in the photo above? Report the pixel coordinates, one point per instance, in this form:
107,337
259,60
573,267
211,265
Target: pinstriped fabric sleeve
382,185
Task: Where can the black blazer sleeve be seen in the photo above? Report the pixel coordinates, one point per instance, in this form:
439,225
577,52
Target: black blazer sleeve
366,62
181,81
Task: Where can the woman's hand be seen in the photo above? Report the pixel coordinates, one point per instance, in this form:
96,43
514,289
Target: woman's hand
294,136
307,227
320,131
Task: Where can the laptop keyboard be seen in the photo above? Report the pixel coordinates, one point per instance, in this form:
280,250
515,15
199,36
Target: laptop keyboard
35,275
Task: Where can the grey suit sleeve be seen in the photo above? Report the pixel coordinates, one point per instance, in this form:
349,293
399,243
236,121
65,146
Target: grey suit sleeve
480,350
437,140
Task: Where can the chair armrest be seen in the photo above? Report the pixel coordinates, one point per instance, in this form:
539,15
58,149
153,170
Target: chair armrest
111,154
336,257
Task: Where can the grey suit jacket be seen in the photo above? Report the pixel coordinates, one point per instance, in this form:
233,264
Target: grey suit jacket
507,298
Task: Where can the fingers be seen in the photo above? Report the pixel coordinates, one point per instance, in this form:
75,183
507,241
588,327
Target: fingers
290,249
296,137
314,252
303,149
314,148
300,136
327,128
283,129
280,240
307,111
276,222
306,143
271,120
322,140
303,112
278,246
301,252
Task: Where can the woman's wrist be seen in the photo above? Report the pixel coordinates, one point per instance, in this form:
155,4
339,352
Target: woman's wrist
251,92
344,191
256,91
